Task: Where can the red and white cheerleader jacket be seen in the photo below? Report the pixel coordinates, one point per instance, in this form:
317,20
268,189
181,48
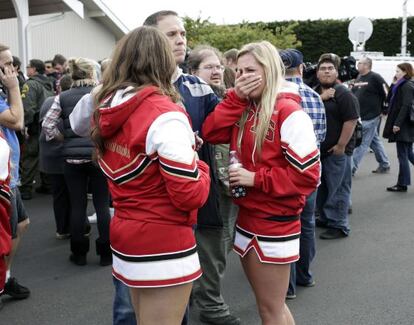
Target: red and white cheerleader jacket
286,172
5,231
157,184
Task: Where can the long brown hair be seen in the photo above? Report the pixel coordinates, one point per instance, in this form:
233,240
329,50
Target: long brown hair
142,57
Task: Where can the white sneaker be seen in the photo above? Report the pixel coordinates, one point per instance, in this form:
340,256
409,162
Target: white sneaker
92,218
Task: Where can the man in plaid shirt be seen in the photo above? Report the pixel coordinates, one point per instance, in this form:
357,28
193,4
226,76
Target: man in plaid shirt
312,104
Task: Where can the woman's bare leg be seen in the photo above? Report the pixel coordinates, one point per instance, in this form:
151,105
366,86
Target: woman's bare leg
270,283
161,306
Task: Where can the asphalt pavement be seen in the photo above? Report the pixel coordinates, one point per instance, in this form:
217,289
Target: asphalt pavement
367,278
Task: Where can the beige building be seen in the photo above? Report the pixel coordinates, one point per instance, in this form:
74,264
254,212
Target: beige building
58,27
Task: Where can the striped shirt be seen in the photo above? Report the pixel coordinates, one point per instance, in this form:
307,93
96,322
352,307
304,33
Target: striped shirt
312,104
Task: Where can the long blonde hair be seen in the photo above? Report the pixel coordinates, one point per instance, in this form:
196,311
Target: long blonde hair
268,57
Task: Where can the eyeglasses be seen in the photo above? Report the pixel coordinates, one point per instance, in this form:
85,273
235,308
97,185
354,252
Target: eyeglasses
212,67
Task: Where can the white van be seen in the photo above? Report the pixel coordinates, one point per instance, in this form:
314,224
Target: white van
384,65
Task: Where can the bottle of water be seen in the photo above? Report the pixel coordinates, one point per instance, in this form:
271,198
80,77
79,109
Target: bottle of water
234,163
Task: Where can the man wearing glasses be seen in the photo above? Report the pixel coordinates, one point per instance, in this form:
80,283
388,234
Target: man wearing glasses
51,73
342,112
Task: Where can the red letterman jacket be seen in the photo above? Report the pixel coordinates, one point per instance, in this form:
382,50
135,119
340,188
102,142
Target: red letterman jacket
288,169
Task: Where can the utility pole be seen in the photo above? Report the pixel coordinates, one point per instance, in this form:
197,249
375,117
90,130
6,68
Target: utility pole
404,30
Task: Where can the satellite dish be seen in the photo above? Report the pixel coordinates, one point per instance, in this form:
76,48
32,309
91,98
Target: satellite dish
359,31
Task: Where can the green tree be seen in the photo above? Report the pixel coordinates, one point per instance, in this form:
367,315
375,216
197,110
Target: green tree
312,37
320,36
387,36
225,37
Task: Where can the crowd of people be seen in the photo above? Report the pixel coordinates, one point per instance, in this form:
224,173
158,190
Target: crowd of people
154,141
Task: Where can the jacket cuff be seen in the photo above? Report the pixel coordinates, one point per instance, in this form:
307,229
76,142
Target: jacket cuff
258,179
231,94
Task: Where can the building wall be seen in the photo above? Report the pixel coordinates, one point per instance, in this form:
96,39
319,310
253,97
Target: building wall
70,36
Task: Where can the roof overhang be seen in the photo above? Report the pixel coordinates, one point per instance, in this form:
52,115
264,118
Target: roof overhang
42,7
98,10
95,9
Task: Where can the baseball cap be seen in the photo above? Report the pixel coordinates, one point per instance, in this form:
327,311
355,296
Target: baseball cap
330,57
291,58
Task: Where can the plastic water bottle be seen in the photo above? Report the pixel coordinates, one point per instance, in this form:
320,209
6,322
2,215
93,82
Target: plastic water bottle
234,163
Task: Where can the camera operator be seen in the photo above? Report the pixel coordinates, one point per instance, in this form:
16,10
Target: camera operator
11,120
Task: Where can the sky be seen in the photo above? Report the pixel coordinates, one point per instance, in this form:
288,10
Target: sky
133,12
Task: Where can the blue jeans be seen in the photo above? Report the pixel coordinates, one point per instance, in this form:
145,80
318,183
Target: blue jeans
379,151
371,139
334,193
123,311
405,154
300,271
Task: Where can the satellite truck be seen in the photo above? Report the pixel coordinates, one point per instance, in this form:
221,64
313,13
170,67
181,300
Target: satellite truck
360,30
